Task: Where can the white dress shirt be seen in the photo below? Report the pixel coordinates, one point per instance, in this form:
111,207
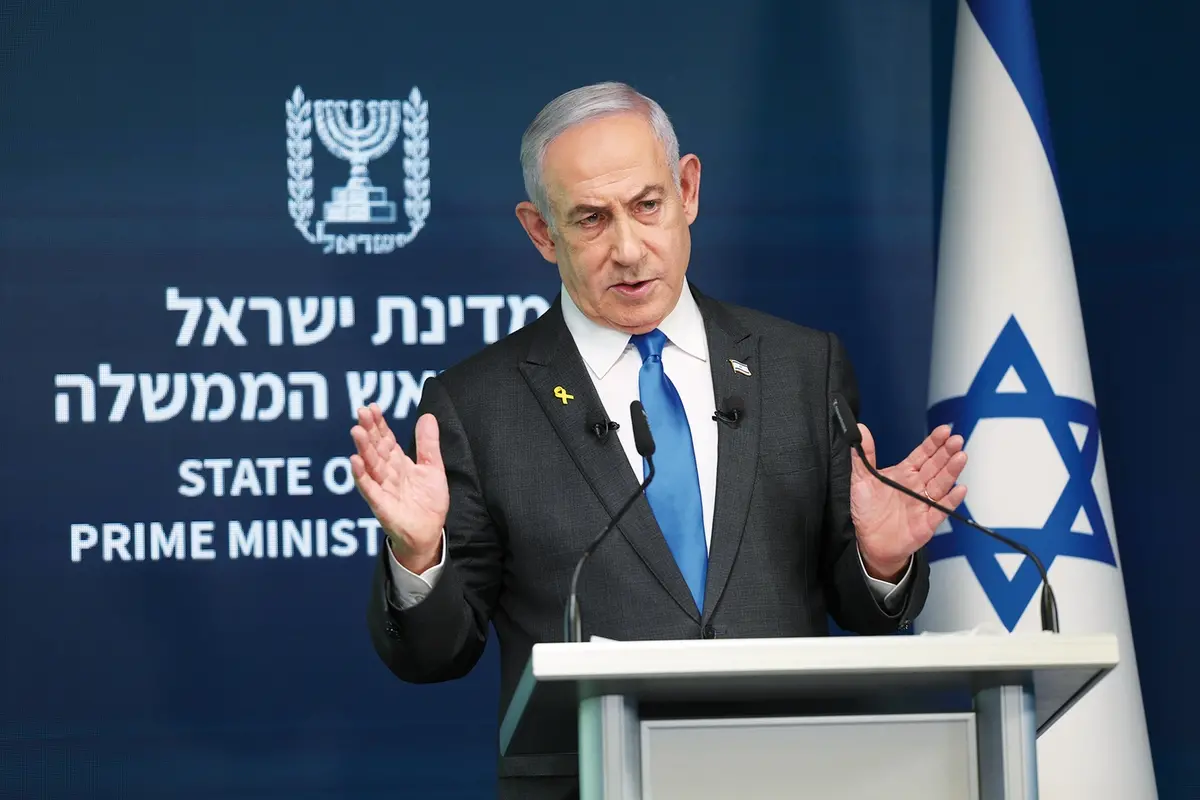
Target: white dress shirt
614,363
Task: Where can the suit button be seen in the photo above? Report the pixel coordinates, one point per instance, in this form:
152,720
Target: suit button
709,632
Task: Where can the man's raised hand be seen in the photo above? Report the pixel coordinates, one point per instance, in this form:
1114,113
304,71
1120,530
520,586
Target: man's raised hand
410,499
890,525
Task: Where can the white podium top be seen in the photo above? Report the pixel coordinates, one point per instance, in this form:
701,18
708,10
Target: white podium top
1060,668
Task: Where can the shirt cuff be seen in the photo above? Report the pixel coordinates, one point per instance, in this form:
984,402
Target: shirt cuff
408,588
889,595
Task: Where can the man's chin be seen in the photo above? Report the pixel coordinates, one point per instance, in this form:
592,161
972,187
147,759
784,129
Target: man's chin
639,314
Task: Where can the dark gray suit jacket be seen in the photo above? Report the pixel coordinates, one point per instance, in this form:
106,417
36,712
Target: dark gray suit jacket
531,485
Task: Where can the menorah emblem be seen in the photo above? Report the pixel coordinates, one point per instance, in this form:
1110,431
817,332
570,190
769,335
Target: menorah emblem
358,142
359,132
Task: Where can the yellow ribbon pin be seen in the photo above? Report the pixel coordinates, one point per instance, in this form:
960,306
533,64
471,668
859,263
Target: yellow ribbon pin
561,394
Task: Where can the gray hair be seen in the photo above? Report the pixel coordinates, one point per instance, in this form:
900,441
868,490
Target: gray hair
583,105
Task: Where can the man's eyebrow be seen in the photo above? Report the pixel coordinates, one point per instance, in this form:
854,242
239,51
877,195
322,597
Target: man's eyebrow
587,208
654,188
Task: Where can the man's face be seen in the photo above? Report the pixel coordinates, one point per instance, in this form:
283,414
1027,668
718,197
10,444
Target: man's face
622,240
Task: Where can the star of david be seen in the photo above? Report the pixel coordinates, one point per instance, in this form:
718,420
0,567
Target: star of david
1055,538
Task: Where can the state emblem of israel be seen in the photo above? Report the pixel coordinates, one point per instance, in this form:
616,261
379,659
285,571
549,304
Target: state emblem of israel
358,216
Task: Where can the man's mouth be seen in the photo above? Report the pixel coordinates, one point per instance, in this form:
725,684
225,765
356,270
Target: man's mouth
634,288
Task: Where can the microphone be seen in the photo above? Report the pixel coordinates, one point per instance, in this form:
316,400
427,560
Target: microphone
573,623
853,436
734,410
601,428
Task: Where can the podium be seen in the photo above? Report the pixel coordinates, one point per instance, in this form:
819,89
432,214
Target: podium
935,717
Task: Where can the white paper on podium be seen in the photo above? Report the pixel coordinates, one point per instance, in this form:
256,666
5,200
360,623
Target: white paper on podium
983,629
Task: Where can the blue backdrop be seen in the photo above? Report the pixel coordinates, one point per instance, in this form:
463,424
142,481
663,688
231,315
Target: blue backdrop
184,570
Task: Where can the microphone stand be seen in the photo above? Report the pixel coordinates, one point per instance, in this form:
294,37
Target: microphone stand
573,623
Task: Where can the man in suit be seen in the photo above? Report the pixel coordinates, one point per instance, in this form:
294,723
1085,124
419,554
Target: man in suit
763,528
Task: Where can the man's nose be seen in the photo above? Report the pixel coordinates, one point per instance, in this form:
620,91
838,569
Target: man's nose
628,248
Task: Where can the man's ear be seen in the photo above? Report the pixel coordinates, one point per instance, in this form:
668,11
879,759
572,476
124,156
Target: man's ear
537,229
689,186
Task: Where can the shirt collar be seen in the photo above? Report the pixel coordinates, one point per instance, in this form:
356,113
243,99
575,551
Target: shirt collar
601,346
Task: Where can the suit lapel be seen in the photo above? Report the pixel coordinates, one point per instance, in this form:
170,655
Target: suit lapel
737,447
553,361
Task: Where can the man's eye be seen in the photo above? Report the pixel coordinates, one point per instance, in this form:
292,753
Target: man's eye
649,205
589,220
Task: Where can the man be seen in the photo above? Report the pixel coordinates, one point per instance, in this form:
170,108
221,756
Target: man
760,529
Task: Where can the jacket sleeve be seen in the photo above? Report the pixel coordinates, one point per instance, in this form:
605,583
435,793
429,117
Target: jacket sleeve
442,637
847,590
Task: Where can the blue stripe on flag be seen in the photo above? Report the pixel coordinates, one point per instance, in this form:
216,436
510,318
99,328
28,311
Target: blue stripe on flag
1008,26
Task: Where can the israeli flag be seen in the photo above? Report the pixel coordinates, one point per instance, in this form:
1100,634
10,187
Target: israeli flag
1010,373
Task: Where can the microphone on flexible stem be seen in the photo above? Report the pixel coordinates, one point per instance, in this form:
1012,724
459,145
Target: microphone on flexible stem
731,414
853,436
573,624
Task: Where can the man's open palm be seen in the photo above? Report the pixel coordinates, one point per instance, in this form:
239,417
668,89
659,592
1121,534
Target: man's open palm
410,499
890,525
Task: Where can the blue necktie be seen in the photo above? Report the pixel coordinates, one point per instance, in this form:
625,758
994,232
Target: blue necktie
674,494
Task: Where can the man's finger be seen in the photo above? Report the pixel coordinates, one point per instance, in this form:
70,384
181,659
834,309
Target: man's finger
942,482
384,441
367,486
379,463
367,417
951,501
366,455
938,460
927,448
868,448
378,433
429,450
868,443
